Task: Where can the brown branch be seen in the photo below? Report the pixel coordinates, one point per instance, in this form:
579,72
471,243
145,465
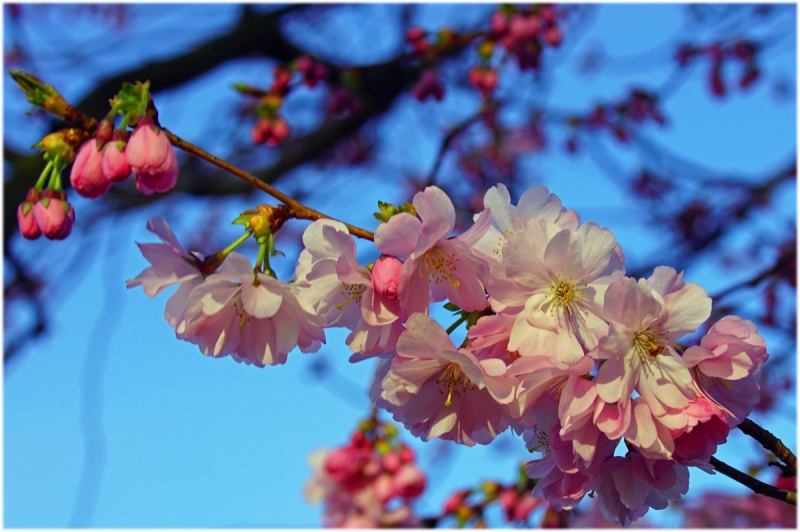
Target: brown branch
299,210
754,484
771,443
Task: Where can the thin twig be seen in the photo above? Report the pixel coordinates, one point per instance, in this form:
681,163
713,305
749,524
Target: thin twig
754,484
447,140
771,443
299,210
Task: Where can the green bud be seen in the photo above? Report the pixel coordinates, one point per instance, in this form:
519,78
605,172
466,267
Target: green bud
35,90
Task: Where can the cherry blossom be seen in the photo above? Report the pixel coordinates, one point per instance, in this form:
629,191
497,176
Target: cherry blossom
437,267
645,320
553,280
250,315
439,391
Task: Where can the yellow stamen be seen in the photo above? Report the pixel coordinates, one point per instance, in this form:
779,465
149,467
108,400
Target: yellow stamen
355,291
455,380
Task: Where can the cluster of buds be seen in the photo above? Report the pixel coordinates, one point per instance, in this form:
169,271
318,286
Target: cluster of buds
741,51
104,158
468,506
270,129
525,33
342,102
45,213
361,481
312,71
639,107
110,157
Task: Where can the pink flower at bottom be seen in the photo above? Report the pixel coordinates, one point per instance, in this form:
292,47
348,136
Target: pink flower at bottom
439,391
628,487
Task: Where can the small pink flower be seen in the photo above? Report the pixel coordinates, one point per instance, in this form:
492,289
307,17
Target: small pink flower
151,158
54,215
115,163
87,177
386,276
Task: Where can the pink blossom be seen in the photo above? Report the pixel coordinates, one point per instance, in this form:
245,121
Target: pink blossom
437,267
86,176
115,164
252,316
170,264
53,215
646,318
507,219
727,366
151,158
439,391
553,280
628,487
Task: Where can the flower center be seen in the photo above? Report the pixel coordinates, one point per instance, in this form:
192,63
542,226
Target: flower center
439,267
453,379
649,343
241,312
355,291
566,294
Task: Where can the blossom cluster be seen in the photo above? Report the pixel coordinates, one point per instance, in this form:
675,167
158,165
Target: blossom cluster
561,346
368,483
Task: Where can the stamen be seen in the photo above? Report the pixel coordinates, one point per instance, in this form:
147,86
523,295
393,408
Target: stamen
355,291
455,380
649,344
440,267
565,294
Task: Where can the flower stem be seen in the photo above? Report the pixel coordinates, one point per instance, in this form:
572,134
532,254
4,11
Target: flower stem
47,172
458,322
239,241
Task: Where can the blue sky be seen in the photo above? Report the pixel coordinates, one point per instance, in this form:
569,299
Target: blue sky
181,440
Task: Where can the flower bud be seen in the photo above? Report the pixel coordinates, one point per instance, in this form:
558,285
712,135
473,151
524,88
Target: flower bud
86,176
54,215
151,158
115,164
386,276
409,482
428,85
27,223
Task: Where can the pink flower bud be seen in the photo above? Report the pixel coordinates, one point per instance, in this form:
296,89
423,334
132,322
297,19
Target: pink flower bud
87,175
152,158
27,223
54,216
454,501
409,482
115,164
428,85
386,276
499,24
717,85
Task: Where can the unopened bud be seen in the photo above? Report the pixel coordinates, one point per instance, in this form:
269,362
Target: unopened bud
62,143
485,49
